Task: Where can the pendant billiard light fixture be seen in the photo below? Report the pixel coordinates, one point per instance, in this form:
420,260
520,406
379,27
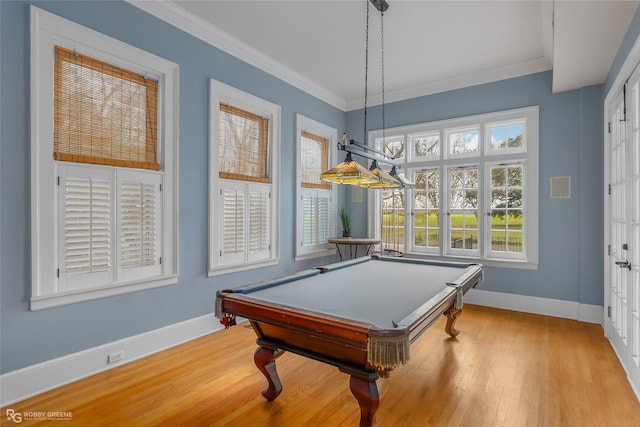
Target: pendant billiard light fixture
386,180
350,171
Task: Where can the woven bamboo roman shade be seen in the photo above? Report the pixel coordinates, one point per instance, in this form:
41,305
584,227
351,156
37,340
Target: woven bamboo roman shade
103,114
244,143
314,159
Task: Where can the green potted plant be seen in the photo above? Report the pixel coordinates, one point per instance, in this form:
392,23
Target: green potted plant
345,219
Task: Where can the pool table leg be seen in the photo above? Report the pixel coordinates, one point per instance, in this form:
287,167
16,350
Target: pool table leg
452,315
366,393
265,360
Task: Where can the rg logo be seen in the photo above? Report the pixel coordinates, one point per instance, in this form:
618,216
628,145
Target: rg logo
14,416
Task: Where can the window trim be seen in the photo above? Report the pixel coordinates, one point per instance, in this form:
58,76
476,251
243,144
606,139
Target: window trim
48,30
222,93
484,159
309,125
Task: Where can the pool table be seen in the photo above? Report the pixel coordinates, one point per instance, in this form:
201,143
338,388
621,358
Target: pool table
360,315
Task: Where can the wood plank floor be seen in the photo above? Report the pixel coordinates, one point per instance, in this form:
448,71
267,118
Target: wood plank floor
504,369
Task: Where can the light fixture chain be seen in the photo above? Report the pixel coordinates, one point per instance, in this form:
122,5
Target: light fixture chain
366,75
382,57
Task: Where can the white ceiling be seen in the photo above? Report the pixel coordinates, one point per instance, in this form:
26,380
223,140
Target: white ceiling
429,46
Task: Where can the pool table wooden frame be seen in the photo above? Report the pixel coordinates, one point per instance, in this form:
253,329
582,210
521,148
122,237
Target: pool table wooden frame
344,343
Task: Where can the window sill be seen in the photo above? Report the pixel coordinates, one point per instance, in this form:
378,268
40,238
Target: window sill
219,271
81,295
486,262
315,254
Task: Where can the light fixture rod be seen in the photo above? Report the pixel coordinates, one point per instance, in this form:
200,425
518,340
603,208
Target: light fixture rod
359,149
367,148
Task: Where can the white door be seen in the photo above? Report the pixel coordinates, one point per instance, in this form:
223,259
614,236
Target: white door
623,320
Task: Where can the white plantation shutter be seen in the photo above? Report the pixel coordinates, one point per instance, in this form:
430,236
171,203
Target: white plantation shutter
245,224
308,220
232,212
324,217
139,201
94,250
137,210
139,224
316,217
85,232
258,221
87,221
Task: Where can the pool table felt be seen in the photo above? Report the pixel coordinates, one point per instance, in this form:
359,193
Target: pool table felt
375,292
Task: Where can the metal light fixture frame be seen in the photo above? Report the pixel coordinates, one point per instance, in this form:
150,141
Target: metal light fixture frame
353,170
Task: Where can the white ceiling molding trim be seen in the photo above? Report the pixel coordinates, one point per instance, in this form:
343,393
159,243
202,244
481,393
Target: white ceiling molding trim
205,31
458,82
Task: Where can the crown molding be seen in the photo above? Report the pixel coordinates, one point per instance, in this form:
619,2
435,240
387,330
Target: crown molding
178,17
174,15
458,82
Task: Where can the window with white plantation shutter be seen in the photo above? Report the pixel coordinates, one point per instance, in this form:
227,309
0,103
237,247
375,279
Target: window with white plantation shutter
244,139
104,176
316,198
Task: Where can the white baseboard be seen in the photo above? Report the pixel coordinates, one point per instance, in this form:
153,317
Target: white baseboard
32,380
536,305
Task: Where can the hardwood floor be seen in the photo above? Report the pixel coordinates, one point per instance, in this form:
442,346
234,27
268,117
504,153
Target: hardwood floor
504,369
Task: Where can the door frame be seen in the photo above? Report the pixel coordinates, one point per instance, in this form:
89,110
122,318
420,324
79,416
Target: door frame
630,63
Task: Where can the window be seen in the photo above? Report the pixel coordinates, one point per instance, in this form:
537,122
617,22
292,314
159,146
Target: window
463,210
244,143
426,213
104,211
244,140
425,145
462,142
475,192
506,215
316,199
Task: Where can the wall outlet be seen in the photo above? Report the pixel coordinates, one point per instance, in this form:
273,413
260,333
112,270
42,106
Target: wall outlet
115,357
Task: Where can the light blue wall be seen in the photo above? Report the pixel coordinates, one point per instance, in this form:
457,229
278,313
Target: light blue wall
31,337
570,231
